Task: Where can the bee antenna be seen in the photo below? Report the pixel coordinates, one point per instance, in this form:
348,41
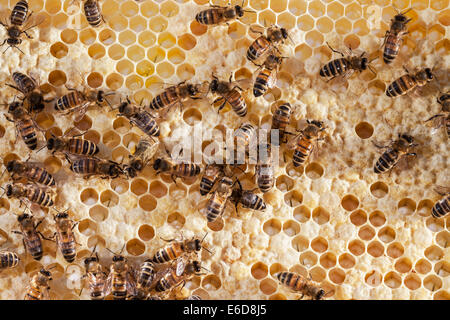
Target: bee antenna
206,269
204,236
41,148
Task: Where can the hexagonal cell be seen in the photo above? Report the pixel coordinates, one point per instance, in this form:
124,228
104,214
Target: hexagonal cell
308,259
424,207
186,41
347,261
94,80
87,227
337,276
116,52
324,24
366,233
350,202
335,10
300,243
387,234
291,228
356,247
403,265
216,225
327,260
284,183
59,50
119,185
373,278
358,217
96,51
375,249
314,170
211,282
45,120
434,253
320,215
259,270
146,232
361,28
406,206
272,227
118,23
395,250
377,218
98,213
286,20
379,189
392,280
139,186
147,203
57,78
316,8
268,286
107,37
88,36
129,8
305,23
319,244
432,283
176,220
89,196
127,38
114,81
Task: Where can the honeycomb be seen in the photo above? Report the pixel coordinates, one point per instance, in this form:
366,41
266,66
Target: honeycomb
358,235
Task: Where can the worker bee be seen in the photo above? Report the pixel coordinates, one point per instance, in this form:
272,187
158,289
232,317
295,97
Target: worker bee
178,248
281,118
96,277
19,16
244,138
39,286
218,199
8,260
120,282
444,116
265,43
24,124
95,166
31,192
394,37
178,274
218,14
396,151
345,66
228,92
72,145
175,95
247,199
194,297
139,117
442,207
65,238
80,100
408,82
144,152
176,169
31,93
145,278
298,283
93,13
213,172
31,237
30,171
267,77
264,171
303,143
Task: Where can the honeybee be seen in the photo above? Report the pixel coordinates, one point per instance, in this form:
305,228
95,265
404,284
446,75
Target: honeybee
267,77
264,43
264,171
408,82
96,277
247,199
93,13
176,169
178,248
145,278
31,93
65,238
144,152
95,166
31,237
245,137
24,124
228,92
218,14
8,260
30,171
444,116
19,15
396,151
39,286
31,192
298,283
304,142
394,37
345,66
194,297
213,172
281,118
218,199
442,207
80,100
175,95
139,117
178,274
120,282
72,145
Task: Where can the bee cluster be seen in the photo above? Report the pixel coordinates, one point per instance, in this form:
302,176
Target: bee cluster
168,270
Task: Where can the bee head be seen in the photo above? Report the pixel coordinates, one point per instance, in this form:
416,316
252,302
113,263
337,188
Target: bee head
23,216
51,143
118,258
319,294
13,106
100,96
90,259
10,165
213,85
46,273
192,89
407,137
239,11
197,266
198,244
123,106
14,32
131,172
400,18
364,63
62,215
160,164
9,190
317,123
429,74
284,33
115,170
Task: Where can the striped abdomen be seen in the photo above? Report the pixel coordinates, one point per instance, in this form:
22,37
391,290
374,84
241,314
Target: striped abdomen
264,177
169,253
441,208
19,13
39,196
119,286
71,100
210,16
386,162
237,102
82,147
206,184
335,68
84,166
281,118
447,125
146,274
244,135
401,86
33,245
302,151
146,123
92,12
391,48
96,286
215,207
23,82
165,99
169,280
8,259
252,201
262,82
67,245
258,48
40,175
33,293
27,131
186,169
292,280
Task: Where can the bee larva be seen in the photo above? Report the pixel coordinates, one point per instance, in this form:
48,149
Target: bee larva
176,169
31,237
394,37
178,274
30,171
264,171
298,283
93,12
281,118
267,77
65,238
94,166
396,151
31,94
303,143
218,14
24,124
442,207
39,286
31,192
175,95
218,199
264,43
408,82
139,117
228,93
444,116
176,249
144,152
8,260
145,279
120,281
96,277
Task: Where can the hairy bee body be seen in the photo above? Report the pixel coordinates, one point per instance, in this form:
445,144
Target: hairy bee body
177,274
29,89
212,174
31,239
65,238
394,37
267,77
174,94
298,283
96,278
441,207
335,67
30,172
266,42
408,82
31,192
76,146
248,200
228,92
24,125
217,201
244,135
444,116
304,142
145,151
141,118
145,278
281,118
264,171
218,15
19,13
95,166
120,282
24,83
92,12
39,286
176,249
182,169
8,260
395,152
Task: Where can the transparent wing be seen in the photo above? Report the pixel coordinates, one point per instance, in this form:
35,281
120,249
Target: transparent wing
244,84
293,142
272,79
131,284
181,265
108,285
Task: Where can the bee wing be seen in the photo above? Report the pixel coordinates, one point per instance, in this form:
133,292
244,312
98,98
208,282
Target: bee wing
181,265
272,79
81,110
32,22
244,84
442,190
437,123
293,142
108,285
5,17
131,284
45,294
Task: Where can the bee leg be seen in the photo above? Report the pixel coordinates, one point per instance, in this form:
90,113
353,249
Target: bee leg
222,105
174,177
255,31
435,116
335,50
378,146
48,239
385,37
